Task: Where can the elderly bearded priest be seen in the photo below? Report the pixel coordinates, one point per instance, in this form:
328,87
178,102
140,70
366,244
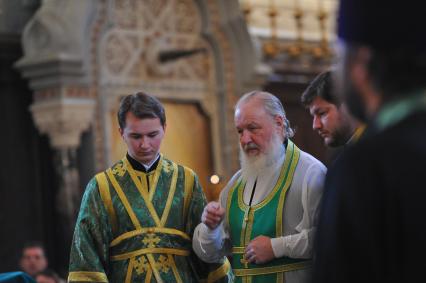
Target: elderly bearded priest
266,214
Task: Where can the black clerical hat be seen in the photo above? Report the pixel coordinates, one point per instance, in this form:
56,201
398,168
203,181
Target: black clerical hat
383,24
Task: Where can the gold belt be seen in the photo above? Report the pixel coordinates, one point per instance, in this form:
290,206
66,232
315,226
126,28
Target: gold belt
272,269
173,251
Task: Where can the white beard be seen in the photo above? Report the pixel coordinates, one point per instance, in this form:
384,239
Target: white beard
253,166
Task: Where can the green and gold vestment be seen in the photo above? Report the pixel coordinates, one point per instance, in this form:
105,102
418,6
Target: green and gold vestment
265,218
137,227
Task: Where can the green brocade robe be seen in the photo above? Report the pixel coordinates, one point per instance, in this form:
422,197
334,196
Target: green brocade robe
137,227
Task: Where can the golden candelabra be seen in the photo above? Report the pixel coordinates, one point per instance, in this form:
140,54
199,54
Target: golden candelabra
298,47
323,49
271,47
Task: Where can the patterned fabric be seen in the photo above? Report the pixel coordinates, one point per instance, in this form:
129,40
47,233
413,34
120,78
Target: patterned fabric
137,227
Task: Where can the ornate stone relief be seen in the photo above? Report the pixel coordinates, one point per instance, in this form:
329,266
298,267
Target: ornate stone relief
130,57
144,30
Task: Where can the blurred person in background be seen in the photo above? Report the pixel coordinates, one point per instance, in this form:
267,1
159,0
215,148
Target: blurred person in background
372,225
33,258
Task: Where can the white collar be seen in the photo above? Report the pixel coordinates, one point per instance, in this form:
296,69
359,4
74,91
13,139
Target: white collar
149,165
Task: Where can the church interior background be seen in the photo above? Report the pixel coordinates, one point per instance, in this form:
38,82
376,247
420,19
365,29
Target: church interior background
66,63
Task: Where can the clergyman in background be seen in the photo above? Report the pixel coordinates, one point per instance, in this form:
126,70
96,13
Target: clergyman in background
372,225
330,117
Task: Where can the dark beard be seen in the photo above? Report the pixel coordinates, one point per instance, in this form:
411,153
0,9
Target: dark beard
341,135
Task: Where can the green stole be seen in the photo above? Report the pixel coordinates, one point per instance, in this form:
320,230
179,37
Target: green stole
247,222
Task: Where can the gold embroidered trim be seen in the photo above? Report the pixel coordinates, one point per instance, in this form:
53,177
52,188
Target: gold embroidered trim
272,269
123,199
173,251
249,227
358,133
145,264
228,201
148,276
156,176
87,276
220,272
240,196
129,271
162,230
280,277
170,197
106,199
189,184
294,161
151,261
244,227
238,250
143,193
174,268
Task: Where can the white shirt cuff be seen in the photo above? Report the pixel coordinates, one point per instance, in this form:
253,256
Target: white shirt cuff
278,246
208,235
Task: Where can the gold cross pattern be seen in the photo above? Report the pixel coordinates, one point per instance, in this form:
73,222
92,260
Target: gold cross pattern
119,169
151,240
244,261
141,265
163,264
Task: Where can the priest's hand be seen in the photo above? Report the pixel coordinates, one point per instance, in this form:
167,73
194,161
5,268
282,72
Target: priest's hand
213,214
259,250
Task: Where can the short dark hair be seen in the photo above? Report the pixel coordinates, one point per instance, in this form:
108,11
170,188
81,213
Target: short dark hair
33,244
142,106
321,86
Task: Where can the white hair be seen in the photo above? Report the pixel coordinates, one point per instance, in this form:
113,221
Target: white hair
272,106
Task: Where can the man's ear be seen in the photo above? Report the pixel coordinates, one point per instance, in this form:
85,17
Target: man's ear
121,131
279,121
